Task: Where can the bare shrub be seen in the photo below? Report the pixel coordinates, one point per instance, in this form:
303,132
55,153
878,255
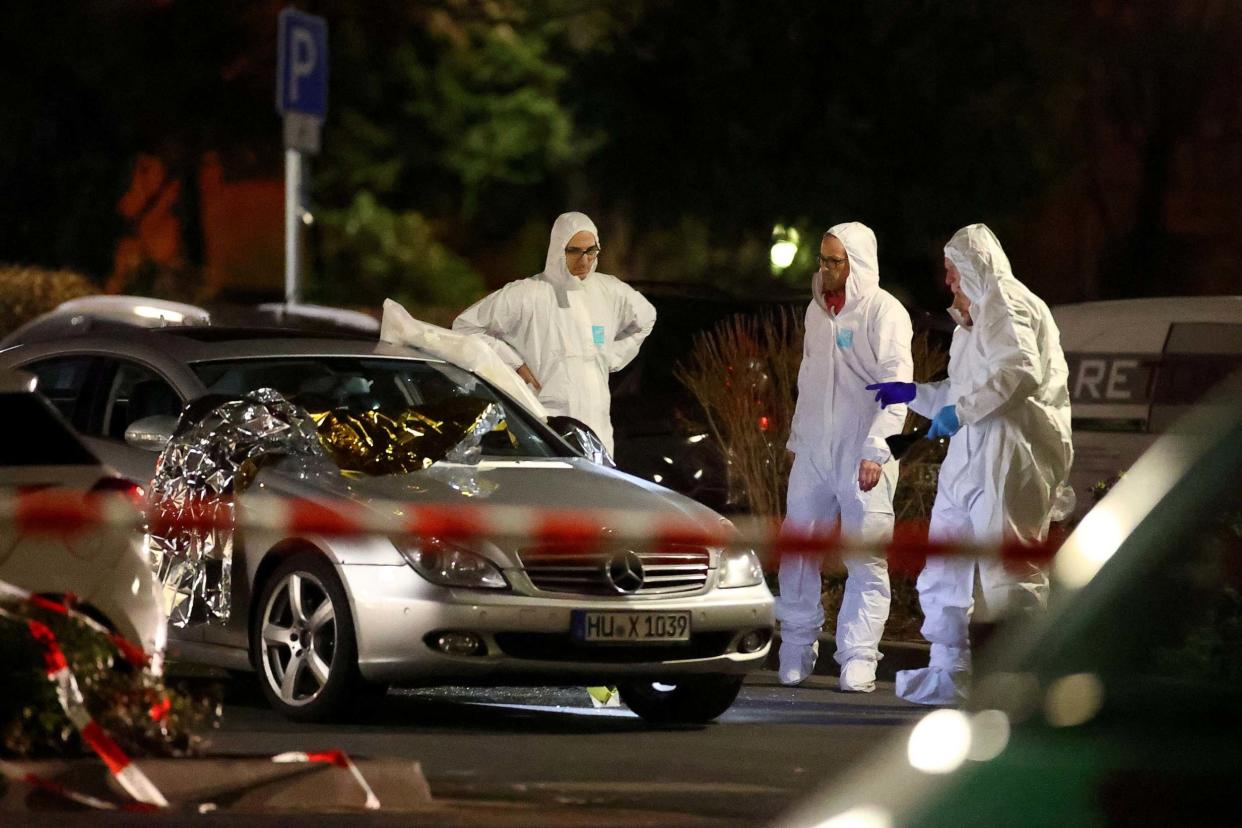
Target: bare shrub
920,468
744,375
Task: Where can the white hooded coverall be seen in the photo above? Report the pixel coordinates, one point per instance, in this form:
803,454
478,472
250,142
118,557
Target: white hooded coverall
570,332
1005,469
836,425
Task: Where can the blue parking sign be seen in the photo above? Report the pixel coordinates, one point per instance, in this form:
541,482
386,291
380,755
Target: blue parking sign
302,65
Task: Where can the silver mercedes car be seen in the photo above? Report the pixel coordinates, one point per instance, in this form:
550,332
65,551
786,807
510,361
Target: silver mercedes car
323,619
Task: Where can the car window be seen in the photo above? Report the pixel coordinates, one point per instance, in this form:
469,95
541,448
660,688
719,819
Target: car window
390,386
46,439
62,381
136,392
1197,357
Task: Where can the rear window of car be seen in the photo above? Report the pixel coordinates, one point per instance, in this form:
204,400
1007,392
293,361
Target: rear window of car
62,380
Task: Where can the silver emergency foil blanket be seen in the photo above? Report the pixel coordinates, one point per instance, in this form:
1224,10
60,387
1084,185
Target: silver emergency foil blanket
210,459
221,444
464,480
470,447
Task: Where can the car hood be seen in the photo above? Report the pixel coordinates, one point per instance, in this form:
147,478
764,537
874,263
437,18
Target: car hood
560,483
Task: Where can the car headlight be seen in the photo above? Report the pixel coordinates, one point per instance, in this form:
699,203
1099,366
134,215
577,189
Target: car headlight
739,568
448,565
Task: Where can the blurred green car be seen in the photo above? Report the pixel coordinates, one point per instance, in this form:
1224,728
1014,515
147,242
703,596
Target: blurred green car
1121,705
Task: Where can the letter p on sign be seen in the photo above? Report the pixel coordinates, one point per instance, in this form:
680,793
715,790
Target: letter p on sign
302,70
303,61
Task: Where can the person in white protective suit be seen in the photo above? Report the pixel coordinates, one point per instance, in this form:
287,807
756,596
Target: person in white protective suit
1006,407
564,330
855,334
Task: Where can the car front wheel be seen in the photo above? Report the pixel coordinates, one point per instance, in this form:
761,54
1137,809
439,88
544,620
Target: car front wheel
302,640
691,700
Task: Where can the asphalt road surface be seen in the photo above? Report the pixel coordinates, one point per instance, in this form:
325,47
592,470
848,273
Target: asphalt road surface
548,754
546,757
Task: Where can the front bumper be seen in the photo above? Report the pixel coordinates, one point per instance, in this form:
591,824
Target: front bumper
527,637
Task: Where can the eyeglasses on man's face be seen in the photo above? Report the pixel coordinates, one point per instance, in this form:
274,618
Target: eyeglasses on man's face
576,253
830,262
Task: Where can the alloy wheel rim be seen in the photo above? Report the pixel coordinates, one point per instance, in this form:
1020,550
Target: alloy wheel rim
299,638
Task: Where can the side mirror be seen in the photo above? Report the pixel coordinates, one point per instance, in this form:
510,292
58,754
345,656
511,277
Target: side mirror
580,437
151,433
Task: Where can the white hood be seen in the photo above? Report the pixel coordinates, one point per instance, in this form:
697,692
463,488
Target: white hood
980,260
860,247
554,268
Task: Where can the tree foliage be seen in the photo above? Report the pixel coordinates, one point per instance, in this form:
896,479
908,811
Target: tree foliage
1148,113
914,117
384,252
449,124
90,89
688,129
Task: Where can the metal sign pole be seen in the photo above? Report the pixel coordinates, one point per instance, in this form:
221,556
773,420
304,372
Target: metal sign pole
293,224
302,100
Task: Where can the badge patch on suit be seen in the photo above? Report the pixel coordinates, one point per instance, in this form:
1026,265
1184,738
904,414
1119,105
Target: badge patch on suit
845,338
597,334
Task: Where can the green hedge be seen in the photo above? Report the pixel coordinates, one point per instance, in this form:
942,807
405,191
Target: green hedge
26,292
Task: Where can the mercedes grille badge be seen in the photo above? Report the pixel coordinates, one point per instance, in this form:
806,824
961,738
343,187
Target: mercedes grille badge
625,572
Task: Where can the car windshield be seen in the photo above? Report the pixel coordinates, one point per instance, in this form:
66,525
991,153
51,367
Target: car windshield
390,386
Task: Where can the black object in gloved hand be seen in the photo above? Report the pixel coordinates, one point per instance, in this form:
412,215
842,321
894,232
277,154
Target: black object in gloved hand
899,444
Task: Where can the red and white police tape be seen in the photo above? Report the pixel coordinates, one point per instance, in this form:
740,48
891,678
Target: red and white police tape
131,779
58,512
131,652
338,759
57,789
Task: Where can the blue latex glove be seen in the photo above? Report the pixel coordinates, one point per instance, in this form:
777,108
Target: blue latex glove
893,393
945,423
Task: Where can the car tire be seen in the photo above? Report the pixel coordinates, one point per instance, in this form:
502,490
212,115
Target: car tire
303,623
692,700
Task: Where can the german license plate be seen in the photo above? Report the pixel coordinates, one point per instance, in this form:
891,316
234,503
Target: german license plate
627,627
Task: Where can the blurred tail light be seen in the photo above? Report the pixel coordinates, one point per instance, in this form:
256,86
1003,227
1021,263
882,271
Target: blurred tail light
120,485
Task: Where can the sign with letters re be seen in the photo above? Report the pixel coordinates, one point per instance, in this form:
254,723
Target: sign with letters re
1110,378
